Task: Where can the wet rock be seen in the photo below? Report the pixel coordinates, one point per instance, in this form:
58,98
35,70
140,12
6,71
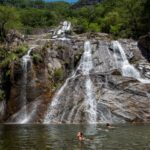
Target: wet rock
118,99
144,45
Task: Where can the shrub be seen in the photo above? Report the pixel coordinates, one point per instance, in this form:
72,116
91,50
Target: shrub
94,27
36,58
21,50
6,61
58,74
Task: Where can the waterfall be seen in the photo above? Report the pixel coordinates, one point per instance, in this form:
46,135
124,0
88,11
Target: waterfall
54,105
60,34
89,104
65,27
2,107
86,67
22,119
122,63
22,115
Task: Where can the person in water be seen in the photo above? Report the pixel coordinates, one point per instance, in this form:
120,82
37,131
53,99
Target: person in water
80,136
109,126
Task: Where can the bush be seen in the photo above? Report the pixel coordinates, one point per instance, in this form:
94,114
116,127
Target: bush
9,55
94,27
37,58
9,19
58,74
8,59
21,50
82,26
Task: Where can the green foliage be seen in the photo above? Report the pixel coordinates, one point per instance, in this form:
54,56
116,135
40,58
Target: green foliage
7,56
82,27
9,19
111,23
37,18
21,50
10,57
58,74
94,27
37,58
123,18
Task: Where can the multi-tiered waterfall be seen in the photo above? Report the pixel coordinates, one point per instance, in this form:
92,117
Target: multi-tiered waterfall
56,114
95,92
122,63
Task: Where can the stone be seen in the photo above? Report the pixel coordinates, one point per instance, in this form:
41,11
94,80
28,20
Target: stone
144,45
119,99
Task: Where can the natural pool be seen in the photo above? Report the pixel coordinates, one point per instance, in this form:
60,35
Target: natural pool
63,137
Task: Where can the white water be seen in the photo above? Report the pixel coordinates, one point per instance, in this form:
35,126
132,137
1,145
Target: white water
65,27
60,34
122,63
22,119
54,105
22,116
89,104
2,107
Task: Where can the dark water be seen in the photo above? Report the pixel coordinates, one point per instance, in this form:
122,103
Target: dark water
63,137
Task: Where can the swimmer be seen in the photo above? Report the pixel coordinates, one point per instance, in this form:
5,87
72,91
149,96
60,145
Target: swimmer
109,126
80,136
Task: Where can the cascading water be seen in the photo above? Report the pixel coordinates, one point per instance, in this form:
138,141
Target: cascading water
60,34
65,27
22,116
2,108
22,119
54,105
122,63
86,67
89,104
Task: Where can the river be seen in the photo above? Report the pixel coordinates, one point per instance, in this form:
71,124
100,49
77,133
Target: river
63,137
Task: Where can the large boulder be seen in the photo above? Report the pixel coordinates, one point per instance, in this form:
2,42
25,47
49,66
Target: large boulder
144,45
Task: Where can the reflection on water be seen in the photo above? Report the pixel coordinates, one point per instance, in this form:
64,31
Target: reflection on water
63,137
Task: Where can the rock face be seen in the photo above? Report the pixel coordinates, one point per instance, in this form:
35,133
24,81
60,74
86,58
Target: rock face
101,92
118,99
50,64
144,44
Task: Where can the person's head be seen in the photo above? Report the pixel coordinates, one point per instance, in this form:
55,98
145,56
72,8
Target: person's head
79,134
107,124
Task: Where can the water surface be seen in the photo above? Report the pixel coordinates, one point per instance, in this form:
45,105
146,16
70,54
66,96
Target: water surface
63,137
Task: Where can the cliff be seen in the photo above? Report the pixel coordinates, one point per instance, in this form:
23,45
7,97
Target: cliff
67,78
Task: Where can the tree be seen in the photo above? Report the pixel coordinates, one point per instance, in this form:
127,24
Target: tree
9,19
94,27
145,17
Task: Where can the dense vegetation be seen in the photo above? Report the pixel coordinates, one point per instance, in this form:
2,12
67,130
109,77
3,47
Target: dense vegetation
123,18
